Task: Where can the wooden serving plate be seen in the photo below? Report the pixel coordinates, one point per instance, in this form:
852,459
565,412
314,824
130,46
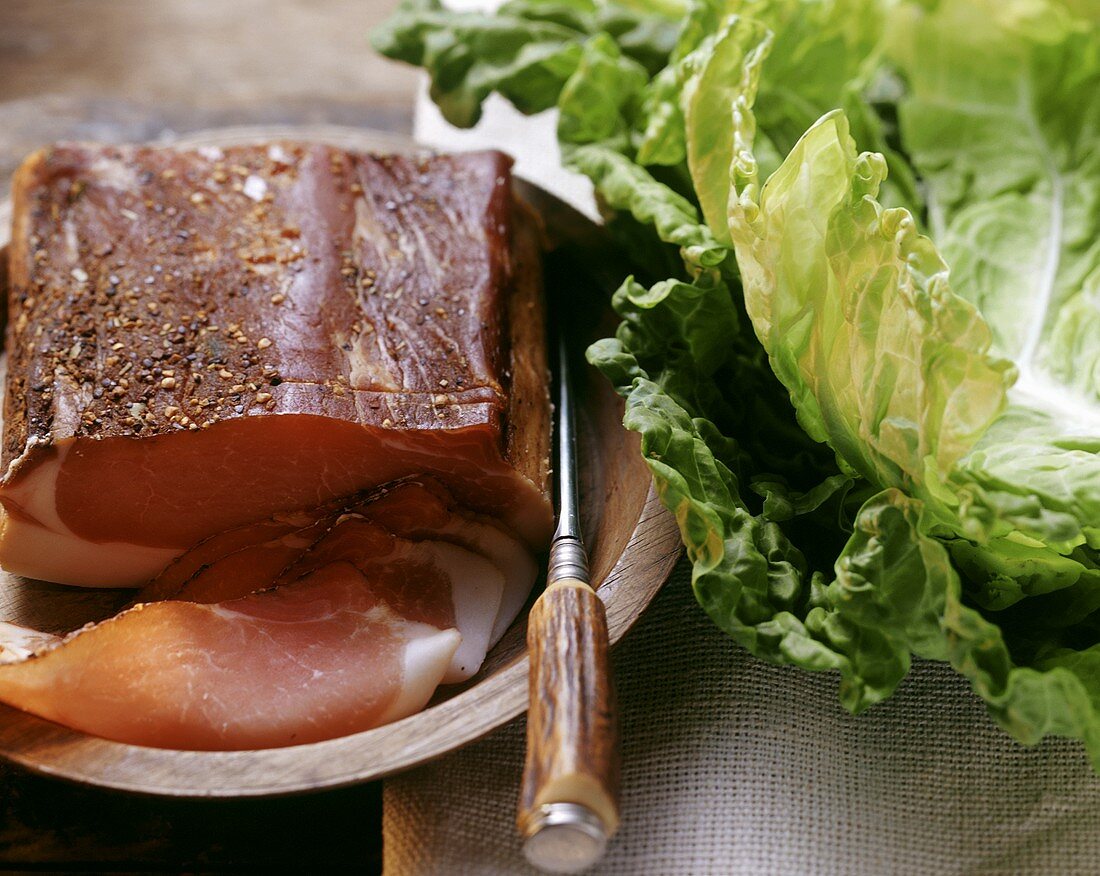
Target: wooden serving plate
633,544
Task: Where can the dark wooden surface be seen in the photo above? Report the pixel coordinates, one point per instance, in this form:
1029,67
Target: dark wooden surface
135,69
55,827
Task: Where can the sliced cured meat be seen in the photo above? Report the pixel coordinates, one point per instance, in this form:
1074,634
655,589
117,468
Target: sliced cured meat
423,509
242,560
433,582
322,658
205,343
257,553
439,575
201,339
18,643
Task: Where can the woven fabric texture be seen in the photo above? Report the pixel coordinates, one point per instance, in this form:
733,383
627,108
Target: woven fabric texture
733,766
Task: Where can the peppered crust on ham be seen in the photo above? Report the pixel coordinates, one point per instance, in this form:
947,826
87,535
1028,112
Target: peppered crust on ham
201,338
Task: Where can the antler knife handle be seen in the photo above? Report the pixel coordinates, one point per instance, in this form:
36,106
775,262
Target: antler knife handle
569,801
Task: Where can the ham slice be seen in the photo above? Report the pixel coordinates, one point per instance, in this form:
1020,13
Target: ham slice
423,509
352,624
439,565
434,581
430,581
245,559
202,339
325,657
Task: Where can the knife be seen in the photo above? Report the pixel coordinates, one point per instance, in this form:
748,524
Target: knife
568,806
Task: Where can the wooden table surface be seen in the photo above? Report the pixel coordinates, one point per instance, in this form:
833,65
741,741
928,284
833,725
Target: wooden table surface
138,69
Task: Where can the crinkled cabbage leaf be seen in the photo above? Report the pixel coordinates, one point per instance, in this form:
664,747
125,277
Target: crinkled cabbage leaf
869,388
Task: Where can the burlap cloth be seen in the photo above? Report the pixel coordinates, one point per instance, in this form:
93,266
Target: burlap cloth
733,766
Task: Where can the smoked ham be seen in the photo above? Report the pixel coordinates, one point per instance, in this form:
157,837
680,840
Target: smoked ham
298,395
201,339
423,509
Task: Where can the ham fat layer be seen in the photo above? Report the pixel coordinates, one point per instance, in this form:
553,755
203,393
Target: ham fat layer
201,339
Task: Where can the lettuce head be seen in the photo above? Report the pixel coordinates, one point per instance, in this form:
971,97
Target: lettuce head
862,341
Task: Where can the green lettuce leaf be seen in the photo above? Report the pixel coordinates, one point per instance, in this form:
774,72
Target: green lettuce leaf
820,259
598,102
724,69
882,360
747,573
806,57
526,51
661,124
892,369
470,55
824,393
627,186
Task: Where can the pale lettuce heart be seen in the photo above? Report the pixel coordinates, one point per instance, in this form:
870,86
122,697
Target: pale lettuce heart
1002,120
853,308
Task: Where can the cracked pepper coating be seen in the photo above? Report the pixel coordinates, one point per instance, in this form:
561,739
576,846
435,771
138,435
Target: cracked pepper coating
202,338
